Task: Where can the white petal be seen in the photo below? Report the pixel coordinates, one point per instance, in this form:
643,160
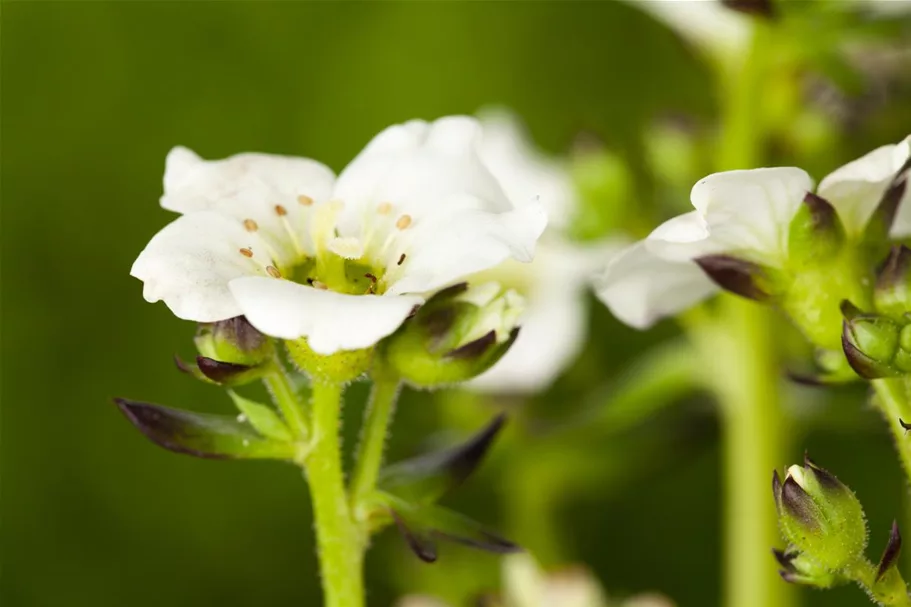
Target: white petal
189,263
449,246
856,188
420,167
252,186
901,228
683,238
523,171
706,23
640,288
750,211
330,321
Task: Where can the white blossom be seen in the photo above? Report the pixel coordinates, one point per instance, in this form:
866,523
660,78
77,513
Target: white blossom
745,214
555,284
341,261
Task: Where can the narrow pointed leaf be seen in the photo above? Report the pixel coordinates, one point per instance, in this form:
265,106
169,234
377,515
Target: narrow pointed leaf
426,478
201,434
422,524
262,417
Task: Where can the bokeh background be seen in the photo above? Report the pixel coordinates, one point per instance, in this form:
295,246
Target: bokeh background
94,95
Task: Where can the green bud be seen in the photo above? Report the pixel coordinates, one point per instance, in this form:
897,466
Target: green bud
341,367
816,233
872,345
798,568
820,516
893,283
233,341
458,334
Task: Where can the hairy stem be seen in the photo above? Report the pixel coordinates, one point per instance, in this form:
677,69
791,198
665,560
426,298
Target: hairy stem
383,397
286,399
340,551
894,401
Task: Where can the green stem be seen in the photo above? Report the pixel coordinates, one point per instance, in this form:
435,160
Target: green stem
889,591
894,402
286,399
742,369
340,551
383,397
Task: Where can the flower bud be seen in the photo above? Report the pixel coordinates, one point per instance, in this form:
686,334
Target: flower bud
820,517
458,334
798,568
233,341
876,346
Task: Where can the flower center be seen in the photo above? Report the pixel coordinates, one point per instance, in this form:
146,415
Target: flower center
338,260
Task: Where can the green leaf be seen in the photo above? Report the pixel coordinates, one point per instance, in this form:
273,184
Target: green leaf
426,478
202,434
262,418
421,526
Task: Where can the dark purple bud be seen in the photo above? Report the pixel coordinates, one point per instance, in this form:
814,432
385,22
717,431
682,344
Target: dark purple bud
220,372
474,349
738,276
890,554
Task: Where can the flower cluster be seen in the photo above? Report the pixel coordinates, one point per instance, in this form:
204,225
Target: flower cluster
765,234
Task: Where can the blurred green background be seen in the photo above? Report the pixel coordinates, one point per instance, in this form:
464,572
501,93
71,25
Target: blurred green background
96,93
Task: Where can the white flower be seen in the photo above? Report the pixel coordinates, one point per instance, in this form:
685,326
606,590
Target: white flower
555,283
706,23
745,214
525,585
341,261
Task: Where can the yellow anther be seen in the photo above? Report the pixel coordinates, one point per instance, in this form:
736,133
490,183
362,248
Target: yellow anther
250,225
403,222
246,252
273,272
305,200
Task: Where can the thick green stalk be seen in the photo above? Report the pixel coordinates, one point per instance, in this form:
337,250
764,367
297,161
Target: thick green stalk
383,397
746,374
894,401
340,552
746,377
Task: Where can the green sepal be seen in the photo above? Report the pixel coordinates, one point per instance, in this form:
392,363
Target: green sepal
262,417
423,525
234,341
427,478
892,296
816,233
888,585
202,434
798,568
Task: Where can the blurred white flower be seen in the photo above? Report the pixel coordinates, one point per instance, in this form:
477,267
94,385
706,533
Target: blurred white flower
526,585
708,24
555,283
745,214
341,261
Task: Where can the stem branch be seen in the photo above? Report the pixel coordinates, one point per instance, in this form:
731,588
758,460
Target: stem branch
383,396
286,399
892,399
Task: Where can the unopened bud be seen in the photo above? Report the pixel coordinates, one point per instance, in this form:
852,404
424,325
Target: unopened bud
820,516
233,341
458,334
876,346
